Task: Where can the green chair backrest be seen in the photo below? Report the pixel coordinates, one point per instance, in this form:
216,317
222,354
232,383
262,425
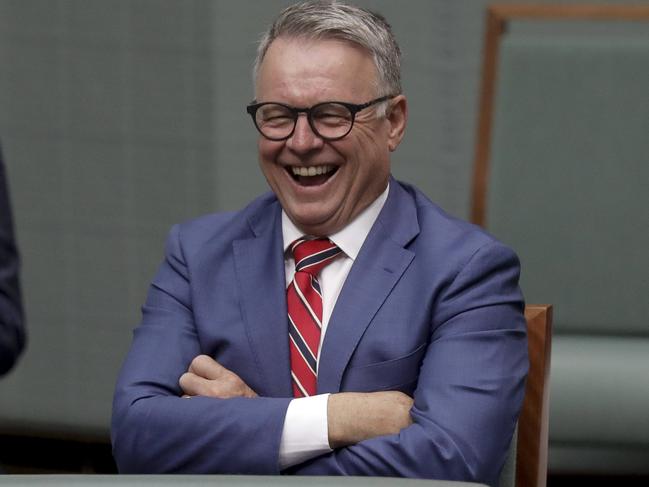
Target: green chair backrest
569,177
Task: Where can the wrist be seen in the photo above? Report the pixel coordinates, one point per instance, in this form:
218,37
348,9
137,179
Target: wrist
343,424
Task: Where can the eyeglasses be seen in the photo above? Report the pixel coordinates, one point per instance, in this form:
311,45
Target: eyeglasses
331,120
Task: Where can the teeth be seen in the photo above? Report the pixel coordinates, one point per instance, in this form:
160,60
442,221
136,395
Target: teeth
311,170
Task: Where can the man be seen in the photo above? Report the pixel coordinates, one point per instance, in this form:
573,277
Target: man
12,334
403,352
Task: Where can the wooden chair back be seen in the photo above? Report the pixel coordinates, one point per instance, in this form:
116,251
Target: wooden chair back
532,440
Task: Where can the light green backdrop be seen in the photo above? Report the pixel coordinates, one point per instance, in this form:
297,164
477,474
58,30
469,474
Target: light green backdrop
119,118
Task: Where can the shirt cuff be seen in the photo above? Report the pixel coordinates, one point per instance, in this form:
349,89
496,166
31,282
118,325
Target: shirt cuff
305,433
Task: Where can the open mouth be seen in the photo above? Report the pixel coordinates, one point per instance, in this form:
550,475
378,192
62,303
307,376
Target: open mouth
312,175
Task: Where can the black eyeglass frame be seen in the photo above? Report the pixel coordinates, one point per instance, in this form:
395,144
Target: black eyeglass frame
352,107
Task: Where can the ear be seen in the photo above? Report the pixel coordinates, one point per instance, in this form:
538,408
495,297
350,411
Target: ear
397,117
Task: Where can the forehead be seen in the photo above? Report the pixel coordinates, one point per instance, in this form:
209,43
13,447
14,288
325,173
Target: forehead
315,70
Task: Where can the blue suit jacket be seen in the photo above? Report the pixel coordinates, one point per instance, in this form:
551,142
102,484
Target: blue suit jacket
431,307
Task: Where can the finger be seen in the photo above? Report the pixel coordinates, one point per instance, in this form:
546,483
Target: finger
207,367
193,385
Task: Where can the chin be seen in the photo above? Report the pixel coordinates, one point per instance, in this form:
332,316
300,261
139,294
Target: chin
312,225
307,224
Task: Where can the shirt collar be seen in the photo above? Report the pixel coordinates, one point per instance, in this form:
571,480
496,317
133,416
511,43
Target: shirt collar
350,239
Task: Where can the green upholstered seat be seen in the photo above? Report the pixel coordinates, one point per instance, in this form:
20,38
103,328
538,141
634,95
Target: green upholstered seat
568,189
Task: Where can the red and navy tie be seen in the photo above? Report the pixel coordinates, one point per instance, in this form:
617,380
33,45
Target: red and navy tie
304,302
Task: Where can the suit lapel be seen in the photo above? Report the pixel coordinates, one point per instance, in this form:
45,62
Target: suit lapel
259,266
377,268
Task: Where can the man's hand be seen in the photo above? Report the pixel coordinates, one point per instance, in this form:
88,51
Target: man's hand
354,416
206,377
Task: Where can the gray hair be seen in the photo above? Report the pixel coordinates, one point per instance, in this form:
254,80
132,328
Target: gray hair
331,19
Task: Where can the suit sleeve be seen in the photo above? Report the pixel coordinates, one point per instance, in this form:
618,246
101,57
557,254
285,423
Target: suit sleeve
153,429
12,332
470,386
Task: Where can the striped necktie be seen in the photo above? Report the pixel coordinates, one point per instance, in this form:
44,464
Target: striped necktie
304,302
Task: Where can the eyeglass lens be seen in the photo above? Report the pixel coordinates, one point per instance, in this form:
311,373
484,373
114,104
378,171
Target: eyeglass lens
328,120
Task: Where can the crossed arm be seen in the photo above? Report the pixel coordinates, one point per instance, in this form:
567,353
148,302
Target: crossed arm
351,417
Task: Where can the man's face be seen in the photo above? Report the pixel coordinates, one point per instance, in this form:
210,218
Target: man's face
354,170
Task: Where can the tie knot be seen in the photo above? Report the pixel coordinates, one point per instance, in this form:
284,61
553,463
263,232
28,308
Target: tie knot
312,255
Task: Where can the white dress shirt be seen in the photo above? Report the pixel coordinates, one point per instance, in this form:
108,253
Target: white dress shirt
305,434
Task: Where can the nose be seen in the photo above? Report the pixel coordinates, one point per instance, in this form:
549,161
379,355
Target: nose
303,139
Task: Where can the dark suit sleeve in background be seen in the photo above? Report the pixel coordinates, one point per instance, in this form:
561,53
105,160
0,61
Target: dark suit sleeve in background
12,333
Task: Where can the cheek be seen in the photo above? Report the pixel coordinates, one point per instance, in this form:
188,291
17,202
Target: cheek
371,157
268,151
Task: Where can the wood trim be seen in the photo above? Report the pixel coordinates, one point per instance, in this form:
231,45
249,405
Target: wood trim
532,448
498,17
507,12
493,32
